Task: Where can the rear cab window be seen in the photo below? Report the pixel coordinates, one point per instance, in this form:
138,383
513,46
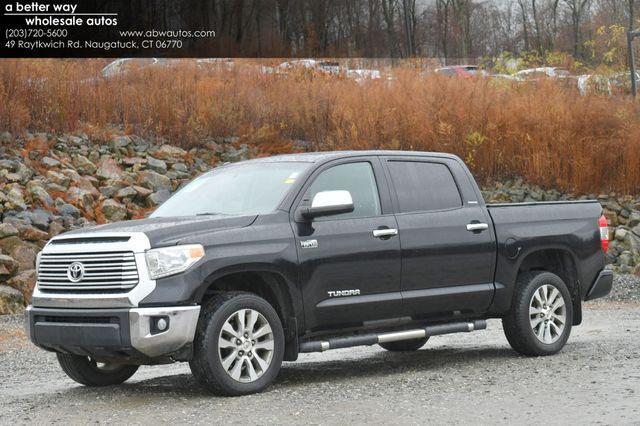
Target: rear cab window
423,186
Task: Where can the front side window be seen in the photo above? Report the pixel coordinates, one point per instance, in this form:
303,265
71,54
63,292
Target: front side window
423,186
239,189
359,180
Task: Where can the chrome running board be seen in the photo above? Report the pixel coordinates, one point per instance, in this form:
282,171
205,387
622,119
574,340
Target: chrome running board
373,339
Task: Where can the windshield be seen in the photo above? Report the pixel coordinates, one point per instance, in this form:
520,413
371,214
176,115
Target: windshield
242,189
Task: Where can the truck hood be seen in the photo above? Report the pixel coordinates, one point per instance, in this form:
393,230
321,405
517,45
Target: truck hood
163,231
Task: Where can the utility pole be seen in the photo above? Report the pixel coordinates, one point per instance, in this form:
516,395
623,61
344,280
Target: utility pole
631,34
632,61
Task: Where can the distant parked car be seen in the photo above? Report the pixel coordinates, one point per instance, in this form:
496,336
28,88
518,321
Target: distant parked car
621,83
593,83
465,71
325,67
542,72
505,77
364,74
125,65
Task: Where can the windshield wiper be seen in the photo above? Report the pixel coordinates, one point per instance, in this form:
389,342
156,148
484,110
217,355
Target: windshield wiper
210,214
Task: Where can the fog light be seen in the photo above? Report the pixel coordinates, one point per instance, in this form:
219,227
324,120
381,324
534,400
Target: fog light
162,324
159,324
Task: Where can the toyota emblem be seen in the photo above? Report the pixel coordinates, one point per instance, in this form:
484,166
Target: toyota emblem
75,272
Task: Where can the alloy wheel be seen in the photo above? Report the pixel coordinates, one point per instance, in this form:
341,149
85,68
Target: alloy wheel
547,314
246,345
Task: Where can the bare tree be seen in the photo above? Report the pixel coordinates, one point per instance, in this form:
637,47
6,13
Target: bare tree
442,10
389,13
462,10
525,24
577,9
409,14
537,26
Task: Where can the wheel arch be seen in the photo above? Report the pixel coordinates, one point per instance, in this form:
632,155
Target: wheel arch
561,262
268,283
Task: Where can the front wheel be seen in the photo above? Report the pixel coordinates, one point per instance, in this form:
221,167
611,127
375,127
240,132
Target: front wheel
239,345
539,321
88,372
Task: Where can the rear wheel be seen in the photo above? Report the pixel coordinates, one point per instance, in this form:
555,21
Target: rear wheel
239,345
540,319
88,372
404,345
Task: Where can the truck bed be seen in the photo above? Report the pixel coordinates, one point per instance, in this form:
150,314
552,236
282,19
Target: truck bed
567,226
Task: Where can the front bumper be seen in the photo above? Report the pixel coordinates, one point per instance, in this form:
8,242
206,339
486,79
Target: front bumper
601,286
113,333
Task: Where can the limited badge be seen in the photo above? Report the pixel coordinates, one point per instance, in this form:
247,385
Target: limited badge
309,244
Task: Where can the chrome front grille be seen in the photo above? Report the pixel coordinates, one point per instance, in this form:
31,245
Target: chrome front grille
108,271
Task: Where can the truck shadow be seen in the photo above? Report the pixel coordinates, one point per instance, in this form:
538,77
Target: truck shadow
328,369
385,363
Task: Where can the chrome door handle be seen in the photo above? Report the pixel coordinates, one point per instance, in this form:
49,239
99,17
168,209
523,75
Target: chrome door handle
379,233
473,227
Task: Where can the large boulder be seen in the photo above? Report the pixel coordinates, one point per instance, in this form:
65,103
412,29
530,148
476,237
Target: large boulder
169,151
158,198
84,165
81,198
126,193
23,252
50,162
8,266
113,211
66,209
15,198
58,178
119,142
156,165
38,218
142,192
39,195
7,230
109,169
24,282
31,233
154,181
11,301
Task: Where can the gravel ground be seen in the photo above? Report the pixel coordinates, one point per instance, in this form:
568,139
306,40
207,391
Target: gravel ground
454,379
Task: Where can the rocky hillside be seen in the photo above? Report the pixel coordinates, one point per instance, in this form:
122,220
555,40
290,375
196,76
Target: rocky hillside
51,184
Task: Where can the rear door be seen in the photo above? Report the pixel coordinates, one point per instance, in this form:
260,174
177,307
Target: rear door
348,275
447,242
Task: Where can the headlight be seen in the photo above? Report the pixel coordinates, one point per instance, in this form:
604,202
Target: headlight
166,261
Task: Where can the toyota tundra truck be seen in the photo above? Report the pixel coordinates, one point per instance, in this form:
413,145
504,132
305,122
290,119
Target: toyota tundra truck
257,261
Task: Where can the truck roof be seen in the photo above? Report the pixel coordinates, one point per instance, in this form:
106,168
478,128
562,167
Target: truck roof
316,157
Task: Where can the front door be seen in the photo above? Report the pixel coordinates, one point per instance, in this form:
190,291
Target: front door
447,266
349,275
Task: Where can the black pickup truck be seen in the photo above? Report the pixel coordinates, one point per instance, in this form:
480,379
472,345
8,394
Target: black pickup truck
254,262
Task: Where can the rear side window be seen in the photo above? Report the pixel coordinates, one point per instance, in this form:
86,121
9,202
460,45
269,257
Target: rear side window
423,186
359,180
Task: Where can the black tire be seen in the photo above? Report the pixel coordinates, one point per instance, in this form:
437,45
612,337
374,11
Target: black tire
404,345
517,323
206,365
86,371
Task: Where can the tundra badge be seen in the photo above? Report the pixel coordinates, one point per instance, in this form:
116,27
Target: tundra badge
339,293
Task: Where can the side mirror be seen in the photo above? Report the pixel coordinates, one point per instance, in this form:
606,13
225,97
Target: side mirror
327,203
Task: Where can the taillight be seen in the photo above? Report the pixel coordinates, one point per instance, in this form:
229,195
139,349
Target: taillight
604,233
